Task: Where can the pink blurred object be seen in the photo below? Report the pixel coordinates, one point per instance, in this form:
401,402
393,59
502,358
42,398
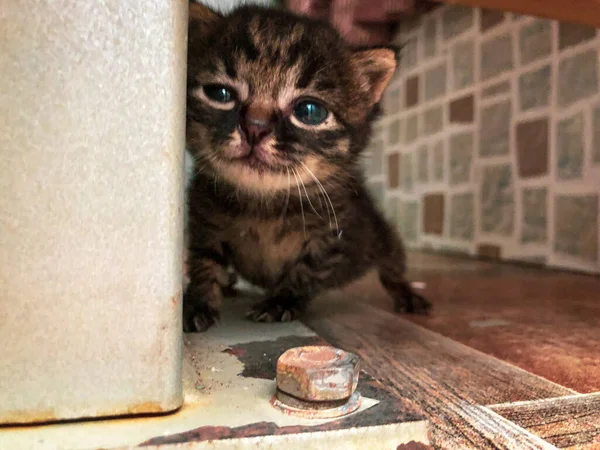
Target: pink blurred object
361,22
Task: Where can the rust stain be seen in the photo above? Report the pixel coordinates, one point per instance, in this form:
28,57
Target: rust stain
317,373
25,417
315,410
175,299
259,359
211,433
413,445
143,412
145,408
151,412
140,409
236,351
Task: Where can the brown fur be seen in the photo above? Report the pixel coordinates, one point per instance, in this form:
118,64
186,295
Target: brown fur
281,199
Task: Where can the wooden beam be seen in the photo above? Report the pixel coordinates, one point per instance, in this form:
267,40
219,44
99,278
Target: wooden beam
584,12
449,381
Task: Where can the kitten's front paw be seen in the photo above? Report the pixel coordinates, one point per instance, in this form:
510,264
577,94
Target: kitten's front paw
198,316
272,310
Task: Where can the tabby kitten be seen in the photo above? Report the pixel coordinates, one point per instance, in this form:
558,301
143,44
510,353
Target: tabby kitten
279,111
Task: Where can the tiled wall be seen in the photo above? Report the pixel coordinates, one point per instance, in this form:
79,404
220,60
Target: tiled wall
491,140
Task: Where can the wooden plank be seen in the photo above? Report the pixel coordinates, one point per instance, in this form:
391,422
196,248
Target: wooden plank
585,12
446,379
571,422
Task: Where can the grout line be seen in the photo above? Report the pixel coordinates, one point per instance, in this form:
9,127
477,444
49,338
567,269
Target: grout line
552,151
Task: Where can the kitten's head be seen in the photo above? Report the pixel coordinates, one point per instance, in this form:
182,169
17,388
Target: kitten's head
273,96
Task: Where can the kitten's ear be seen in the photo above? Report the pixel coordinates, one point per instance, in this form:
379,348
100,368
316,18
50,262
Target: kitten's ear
375,67
202,14
202,21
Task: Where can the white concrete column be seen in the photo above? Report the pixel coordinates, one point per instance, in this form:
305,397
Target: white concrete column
92,101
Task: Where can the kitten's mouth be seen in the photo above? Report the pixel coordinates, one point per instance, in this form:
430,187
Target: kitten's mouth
255,162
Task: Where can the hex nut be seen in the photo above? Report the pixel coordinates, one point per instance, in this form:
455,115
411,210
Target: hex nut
318,373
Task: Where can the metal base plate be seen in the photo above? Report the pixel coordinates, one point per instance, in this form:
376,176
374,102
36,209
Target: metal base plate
229,381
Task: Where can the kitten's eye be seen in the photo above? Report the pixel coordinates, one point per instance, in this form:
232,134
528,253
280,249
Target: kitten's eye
218,93
310,112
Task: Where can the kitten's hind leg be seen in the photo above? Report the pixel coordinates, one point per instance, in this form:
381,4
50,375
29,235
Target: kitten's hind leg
392,269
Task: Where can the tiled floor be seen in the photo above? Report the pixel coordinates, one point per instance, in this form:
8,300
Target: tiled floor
545,322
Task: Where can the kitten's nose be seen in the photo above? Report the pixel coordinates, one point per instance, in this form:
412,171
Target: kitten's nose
256,123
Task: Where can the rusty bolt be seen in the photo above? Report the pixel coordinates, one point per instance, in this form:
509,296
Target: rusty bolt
318,373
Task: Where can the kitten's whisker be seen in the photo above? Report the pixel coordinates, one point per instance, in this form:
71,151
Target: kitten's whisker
321,202
301,206
287,197
328,209
206,159
337,227
321,190
306,192
326,205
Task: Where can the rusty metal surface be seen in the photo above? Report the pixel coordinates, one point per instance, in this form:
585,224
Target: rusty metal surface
318,373
384,437
316,410
388,410
229,379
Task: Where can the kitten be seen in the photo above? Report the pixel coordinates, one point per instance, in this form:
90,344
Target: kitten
279,111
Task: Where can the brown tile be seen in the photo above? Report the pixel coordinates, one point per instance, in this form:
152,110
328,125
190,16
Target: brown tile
462,110
394,170
489,251
411,91
433,213
571,34
490,18
532,148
